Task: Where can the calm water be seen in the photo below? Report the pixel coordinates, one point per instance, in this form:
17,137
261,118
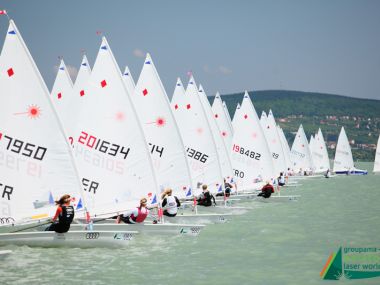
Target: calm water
282,243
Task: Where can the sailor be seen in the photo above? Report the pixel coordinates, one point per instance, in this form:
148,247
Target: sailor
281,179
327,174
267,190
227,189
135,216
171,202
64,214
206,198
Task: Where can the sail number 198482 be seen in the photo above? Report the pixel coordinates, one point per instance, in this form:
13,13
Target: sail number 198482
247,152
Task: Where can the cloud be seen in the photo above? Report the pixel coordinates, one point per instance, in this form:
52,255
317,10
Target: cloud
219,70
138,53
224,70
206,69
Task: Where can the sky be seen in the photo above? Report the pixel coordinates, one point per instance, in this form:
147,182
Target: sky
229,46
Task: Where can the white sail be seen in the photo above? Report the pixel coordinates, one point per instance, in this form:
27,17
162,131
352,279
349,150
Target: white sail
73,102
275,145
161,131
236,115
251,158
61,95
311,148
223,154
36,164
228,117
223,122
376,166
110,147
311,142
319,152
300,154
263,120
197,137
128,81
285,147
343,160
83,75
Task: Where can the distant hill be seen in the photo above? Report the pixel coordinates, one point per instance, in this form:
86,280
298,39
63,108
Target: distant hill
360,117
285,103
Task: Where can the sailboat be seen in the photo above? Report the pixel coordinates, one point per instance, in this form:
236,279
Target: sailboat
251,158
73,100
128,81
83,75
376,166
197,137
300,154
319,152
112,162
62,95
274,143
38,164
223,122
223,152
111,150
343,162
236,115
228,116
285,147
161,132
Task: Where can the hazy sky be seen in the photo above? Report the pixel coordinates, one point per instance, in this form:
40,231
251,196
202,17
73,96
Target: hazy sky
330,46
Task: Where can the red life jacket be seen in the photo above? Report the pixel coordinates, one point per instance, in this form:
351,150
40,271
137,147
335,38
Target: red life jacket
140,215
268,187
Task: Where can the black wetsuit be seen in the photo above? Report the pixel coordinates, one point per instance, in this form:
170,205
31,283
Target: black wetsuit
206,200
64,220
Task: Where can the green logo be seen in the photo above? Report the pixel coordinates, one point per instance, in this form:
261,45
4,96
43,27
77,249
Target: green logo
183,231
353,263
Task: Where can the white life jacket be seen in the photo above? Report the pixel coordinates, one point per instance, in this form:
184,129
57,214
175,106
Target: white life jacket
171,205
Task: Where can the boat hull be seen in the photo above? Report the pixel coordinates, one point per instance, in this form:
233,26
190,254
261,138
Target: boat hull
353,172
206,218
276,198
81,239
4,253
144,228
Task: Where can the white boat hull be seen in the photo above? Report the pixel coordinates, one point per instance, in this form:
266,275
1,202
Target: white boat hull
4,253
144,228
215,210
352,172
81,239
276,198
205,218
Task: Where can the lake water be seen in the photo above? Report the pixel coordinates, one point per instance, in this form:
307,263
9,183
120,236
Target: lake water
274,243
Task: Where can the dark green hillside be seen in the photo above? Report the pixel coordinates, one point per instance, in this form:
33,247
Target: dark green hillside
360,117
285,103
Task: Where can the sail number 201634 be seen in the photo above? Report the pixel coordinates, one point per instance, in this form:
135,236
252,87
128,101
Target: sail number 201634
247,152
102,145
